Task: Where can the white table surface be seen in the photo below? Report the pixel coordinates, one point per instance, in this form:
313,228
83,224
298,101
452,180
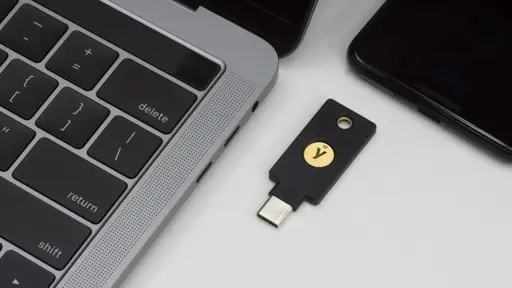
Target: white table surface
420,207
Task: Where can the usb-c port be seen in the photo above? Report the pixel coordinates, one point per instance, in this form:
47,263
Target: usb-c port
232,136
205,170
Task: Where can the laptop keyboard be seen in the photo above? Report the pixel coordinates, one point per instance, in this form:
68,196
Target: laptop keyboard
83,112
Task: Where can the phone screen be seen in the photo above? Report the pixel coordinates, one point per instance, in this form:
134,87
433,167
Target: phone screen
457,53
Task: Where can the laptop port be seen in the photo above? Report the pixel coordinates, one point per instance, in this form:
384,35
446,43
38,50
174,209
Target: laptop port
232,136
205,170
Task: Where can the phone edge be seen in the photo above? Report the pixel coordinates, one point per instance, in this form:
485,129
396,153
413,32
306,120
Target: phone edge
473,135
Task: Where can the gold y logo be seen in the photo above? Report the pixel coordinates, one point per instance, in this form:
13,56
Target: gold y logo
319,154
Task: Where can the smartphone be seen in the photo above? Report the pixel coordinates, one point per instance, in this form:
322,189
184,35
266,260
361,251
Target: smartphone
282,23
450,59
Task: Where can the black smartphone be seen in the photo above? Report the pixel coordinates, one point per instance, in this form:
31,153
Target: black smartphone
282,23
449,58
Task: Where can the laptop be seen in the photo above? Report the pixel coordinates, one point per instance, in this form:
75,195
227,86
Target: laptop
111,112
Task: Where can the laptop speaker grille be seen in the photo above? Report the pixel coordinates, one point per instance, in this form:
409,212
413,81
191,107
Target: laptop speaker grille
150,202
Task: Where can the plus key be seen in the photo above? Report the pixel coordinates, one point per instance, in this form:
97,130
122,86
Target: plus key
82,60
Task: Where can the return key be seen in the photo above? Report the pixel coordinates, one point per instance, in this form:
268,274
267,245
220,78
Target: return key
147,96
69,180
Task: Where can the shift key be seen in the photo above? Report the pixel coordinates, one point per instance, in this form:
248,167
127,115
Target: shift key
147,96
39,229
70,180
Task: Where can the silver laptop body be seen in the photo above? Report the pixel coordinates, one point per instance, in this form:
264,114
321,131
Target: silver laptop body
248,71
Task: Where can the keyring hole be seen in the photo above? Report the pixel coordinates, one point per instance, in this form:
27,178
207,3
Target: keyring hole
344,123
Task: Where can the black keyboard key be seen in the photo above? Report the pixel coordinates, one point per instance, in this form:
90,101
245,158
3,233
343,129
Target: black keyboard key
3,56
18,272
82,60
24,89
69,180
32,33
5,7
125,147
147,96
39,229
72,117
138,39
14,138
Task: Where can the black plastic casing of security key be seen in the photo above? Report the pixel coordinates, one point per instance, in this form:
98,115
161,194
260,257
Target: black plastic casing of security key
297,181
